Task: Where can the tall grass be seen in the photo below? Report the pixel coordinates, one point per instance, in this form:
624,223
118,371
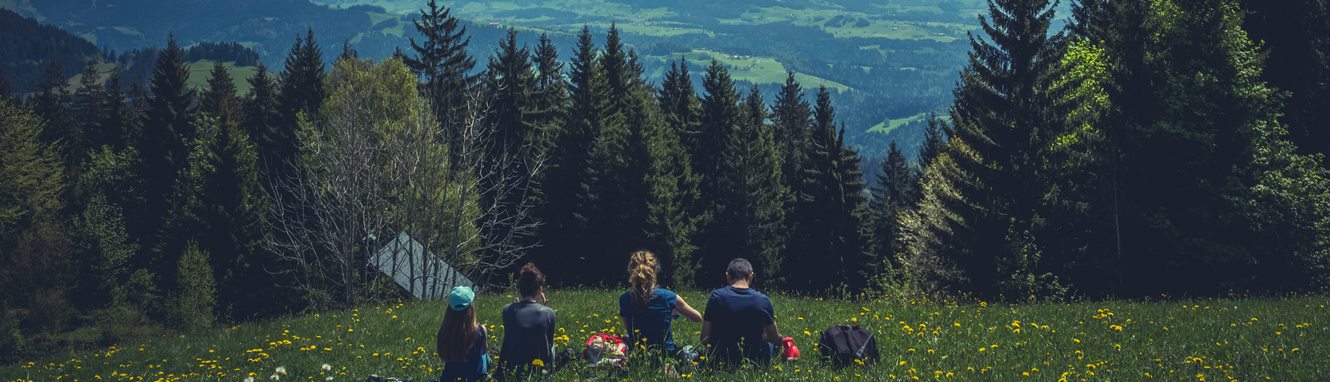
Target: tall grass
1211,340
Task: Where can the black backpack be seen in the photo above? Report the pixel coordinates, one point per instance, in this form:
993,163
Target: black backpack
842,344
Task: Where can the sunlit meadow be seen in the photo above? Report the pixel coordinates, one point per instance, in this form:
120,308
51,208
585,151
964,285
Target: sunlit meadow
1205,340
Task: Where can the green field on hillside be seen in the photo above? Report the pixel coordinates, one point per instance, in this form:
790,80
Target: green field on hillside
887,126
1203,340
199,74
757,70
201,71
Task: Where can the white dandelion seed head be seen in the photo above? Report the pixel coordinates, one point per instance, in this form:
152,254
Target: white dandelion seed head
280,370
249,379
275,377
326,367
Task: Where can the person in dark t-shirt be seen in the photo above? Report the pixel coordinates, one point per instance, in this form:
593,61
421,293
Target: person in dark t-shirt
740,323
528,338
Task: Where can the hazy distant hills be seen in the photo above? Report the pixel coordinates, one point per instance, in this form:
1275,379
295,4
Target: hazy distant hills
889,62
27,46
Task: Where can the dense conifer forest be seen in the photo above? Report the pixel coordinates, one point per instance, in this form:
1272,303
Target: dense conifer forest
1149,148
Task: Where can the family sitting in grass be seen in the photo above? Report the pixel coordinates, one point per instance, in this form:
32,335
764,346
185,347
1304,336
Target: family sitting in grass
739,324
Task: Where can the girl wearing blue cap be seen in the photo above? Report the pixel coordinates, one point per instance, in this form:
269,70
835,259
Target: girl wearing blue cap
461,341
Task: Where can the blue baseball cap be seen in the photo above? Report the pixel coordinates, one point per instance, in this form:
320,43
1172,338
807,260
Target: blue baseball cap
461,298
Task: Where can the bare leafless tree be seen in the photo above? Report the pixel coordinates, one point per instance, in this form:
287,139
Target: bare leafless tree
370,170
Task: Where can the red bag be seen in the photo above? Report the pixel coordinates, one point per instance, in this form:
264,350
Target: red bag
605,350
788,351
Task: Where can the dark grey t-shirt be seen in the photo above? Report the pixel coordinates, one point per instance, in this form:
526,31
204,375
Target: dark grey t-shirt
528,334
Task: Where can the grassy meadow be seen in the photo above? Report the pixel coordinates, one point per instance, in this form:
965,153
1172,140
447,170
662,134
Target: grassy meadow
1203,340
754,69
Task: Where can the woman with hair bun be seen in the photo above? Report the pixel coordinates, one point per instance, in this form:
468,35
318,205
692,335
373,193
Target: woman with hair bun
647,310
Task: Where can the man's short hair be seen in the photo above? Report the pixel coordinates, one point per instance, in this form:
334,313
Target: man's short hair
739,269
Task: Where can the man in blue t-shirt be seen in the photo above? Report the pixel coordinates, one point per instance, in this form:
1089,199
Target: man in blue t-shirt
740,323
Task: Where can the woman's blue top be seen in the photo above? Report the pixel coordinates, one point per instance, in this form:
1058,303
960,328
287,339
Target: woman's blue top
650,324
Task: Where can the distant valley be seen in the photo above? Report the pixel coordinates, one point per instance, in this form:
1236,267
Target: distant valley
889,64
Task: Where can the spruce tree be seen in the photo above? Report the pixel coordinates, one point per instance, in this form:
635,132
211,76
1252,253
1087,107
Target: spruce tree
756,196
262,120
1295,35
1002,116
6,89
562,211
87,112
549,102
720,119
220,99
510,81
443,65
614,188
117,117
893,195
673,196
619,75
51,102
1205,162
301,94
830,244
680,105
163,140
933,142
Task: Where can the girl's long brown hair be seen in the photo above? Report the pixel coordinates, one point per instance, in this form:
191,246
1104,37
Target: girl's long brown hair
457,334
642,270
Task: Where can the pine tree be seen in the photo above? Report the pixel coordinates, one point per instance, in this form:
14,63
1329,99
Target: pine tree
51,102
442,62
117,117
933,142
262,119
1204,162
720,119
562,210
195,306
549,102
720,115
1002,117
216,205
511,82
6,90
830,243
301,94
673,192
163,141
614,188
619,75
220,99
680,104
1296,37
87,113
757,197
893,195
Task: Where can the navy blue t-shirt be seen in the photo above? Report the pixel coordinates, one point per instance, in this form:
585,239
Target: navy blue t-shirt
650,324
739,317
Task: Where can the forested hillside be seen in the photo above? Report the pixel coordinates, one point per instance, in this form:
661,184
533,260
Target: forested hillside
30,48
1149,149
888,64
